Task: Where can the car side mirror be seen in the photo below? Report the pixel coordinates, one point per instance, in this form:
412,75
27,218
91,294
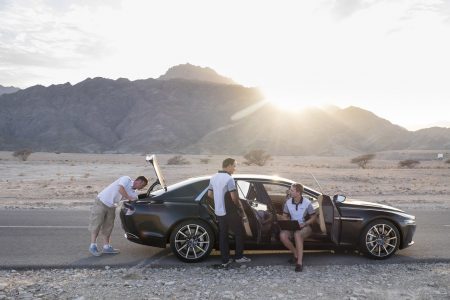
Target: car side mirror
339,198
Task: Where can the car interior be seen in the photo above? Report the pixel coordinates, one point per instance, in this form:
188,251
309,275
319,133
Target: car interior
263,206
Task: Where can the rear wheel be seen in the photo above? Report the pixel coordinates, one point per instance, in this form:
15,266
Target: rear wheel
192,241
380,239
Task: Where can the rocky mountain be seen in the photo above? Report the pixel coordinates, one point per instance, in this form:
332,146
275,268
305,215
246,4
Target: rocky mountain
7,89
180,115
191,72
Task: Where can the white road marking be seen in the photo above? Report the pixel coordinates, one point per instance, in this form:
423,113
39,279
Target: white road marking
447,225
40,226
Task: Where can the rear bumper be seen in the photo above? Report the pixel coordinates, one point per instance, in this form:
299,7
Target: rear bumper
142,237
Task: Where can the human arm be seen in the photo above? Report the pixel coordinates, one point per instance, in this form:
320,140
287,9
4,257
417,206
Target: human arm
312,217
311,220
285,215
125,194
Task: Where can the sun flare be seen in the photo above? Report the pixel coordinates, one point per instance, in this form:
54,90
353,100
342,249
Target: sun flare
289,101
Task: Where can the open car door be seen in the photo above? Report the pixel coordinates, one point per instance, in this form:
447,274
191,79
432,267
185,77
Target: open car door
331,219
254,202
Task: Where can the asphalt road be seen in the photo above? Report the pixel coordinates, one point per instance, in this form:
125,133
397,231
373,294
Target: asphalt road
60,239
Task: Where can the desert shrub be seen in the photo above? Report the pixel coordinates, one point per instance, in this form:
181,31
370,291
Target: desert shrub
447,161
22,154
257,157
204,160
362,160
177,160
408,163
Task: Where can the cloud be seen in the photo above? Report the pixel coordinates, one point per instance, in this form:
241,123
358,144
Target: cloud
346,8
39,35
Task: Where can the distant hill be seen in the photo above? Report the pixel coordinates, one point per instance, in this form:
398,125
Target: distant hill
191,72
7,89
183,115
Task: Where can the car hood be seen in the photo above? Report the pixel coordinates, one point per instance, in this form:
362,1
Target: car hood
354,203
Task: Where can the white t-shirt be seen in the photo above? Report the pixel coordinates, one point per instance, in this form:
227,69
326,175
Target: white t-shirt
110,196
298,211
220,184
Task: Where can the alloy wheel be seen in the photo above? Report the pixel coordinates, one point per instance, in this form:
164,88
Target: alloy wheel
381,240
192,241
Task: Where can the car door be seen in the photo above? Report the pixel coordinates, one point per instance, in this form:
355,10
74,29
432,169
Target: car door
332,219
258,212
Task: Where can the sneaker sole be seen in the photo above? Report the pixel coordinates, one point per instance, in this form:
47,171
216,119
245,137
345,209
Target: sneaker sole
95,253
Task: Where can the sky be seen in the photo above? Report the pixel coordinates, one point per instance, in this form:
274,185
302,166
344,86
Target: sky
391,57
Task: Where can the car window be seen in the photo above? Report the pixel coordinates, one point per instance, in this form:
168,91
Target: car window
276,189
246,190
278,195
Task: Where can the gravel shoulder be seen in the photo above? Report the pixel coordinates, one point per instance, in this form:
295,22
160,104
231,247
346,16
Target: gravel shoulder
392,281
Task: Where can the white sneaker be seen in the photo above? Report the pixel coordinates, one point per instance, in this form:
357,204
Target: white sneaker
226,265
243,259
110,250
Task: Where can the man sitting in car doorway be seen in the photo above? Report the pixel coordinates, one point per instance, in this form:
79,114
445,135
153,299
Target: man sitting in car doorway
297,208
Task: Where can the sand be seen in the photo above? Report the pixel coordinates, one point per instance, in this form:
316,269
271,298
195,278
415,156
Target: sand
69,180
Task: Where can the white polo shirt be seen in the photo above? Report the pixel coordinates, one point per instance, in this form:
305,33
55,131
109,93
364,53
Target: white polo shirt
298,211
110,196
220,184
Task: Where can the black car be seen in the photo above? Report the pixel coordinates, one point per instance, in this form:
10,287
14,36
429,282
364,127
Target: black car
181,215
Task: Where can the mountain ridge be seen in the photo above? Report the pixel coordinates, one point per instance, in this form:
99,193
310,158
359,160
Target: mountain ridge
186,115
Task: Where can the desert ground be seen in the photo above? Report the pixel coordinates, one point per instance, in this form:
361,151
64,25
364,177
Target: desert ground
72,180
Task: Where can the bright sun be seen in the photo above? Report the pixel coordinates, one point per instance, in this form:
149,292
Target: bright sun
288,101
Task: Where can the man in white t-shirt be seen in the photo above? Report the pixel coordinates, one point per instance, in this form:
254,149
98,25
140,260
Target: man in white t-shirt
297,208
227,209
103,212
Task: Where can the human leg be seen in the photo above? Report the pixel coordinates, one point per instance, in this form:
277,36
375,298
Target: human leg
106,230
235,222
285,236
299,246
96,220
223,239
300,236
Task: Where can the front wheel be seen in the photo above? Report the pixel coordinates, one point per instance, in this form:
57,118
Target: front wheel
380,239
192,241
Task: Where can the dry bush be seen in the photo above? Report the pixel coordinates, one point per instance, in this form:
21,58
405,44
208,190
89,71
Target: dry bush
408,163
257,157
22,154
204,160
363,160
177,160
447,161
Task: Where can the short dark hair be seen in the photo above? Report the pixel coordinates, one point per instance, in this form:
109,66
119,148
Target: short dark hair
227,162
142,178
298,187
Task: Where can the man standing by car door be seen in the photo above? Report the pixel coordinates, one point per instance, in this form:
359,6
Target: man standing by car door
226,206
103,211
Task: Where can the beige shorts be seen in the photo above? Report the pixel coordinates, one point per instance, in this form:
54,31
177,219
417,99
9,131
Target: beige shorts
102,218
304,232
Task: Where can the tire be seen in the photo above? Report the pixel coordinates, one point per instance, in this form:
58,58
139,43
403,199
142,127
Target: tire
380,239
192,241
